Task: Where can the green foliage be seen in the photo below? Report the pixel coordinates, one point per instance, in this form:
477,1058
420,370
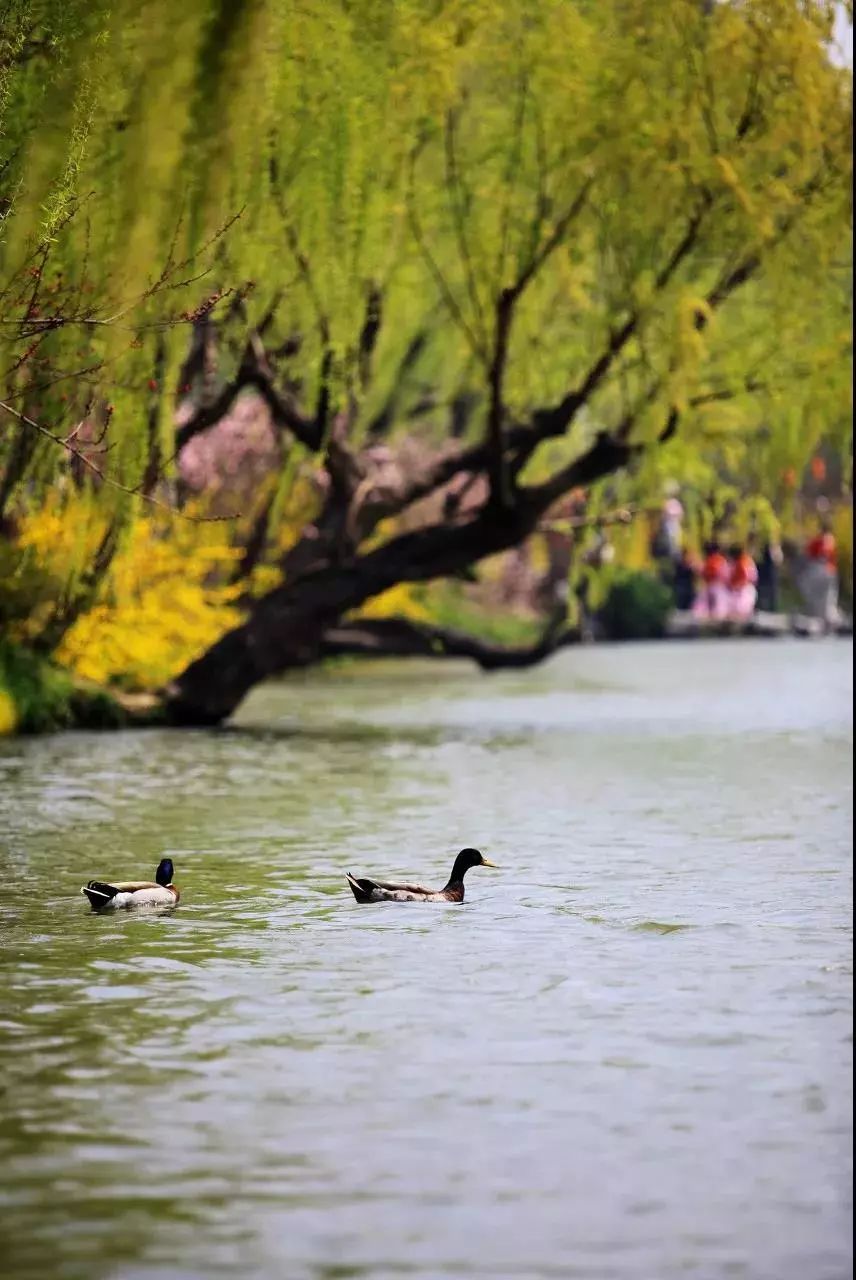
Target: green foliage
636,607
38,697
28,586
410,145
447,605
160,160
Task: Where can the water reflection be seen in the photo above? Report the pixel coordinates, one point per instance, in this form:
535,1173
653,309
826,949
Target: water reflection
627,1055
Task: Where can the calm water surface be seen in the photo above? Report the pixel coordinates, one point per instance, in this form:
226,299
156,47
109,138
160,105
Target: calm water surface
625,1057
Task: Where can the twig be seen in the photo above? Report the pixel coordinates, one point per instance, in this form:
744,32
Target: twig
457,201
510,179
452,304
624,515
65,442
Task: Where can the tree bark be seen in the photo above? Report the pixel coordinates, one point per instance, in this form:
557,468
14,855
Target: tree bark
286,626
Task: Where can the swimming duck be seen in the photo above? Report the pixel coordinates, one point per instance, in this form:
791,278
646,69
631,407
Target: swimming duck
365,890
125,894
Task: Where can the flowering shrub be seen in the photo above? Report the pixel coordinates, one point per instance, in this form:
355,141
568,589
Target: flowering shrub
166,596
165,601
401,601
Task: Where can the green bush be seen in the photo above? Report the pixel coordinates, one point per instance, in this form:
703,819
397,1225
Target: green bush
636,607
40,698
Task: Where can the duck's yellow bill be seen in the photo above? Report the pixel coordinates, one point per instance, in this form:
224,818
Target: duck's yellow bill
486,862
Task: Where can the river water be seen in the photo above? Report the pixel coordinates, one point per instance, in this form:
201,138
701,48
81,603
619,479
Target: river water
625,1057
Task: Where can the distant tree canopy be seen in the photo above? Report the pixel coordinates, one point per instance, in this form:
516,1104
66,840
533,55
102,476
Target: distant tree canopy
483,251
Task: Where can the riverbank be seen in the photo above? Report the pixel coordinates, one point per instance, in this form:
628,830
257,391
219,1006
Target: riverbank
37,696
684,625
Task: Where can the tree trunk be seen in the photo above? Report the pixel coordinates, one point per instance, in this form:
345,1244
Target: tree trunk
286,628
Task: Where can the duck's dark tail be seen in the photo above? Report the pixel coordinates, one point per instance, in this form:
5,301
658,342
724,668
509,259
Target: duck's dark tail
99,893
361,889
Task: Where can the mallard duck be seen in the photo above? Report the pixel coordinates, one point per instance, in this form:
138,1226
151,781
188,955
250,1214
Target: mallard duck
125,894
365,890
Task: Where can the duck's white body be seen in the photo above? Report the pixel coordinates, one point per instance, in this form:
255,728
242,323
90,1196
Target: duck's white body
128,896
125,895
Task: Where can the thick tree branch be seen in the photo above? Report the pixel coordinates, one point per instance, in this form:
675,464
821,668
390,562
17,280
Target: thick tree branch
402,638
504,316
285,626
607,455
499,478
369,335
555,421
253,373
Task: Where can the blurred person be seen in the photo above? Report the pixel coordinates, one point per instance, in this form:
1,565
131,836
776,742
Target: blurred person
668,536
769,563
742,584
714,599
687,571
819,580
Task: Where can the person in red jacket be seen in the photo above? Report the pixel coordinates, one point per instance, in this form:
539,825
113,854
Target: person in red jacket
743,584
714,599
819,580
822,547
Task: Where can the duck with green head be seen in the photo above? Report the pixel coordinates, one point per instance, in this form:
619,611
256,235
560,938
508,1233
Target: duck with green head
128,894
366,890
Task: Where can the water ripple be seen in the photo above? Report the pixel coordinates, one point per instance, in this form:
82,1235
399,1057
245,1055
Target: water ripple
626,1056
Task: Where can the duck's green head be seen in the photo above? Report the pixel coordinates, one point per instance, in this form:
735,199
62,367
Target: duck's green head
165,872
468,858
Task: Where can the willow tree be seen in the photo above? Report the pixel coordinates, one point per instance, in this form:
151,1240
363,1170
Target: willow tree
550,242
